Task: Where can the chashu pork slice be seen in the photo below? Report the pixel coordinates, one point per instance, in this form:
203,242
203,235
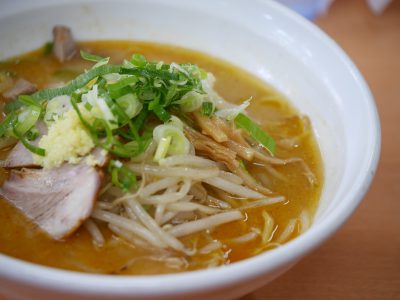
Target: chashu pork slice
57,200
64,46
21,87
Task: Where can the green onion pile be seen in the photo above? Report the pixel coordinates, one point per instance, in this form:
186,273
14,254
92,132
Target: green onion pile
130,105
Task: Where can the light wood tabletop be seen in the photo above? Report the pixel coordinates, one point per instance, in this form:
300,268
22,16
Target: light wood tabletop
362,260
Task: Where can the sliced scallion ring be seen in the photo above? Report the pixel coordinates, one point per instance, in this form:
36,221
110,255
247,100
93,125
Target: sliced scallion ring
130,104
162,148
179,143
121,176
29,146
27,119
191,101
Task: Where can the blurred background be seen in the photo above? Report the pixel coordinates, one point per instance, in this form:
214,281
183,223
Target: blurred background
362,260
311,9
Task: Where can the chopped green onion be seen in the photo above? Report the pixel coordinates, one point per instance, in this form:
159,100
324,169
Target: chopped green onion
119,99
148,94
112,88
138,60
121,176
131,104
191,101
162,148
101,83
126,134
137,147
179,144
56,107
90,57
203,74
207,108
256,132
121,151
230,113
119,93
28,100
176,122
89,127
159,65
100,125
27,119
8,123
112,78
172,93
12,106
75,84
111,144
29,146
102,62
140,118
32,134
117,111
161,113
165,75
88,106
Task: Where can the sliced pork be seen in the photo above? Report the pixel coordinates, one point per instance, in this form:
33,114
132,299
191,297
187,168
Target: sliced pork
18,157
21,87
57,200
64,47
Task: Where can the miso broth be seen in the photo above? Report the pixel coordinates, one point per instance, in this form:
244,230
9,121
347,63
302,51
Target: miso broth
20,238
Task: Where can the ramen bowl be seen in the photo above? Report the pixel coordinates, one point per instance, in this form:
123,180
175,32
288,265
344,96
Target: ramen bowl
268,41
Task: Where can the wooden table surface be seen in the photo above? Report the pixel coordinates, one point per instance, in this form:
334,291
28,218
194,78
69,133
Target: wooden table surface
362,260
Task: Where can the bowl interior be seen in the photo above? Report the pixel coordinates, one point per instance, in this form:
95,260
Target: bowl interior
262,38
267,46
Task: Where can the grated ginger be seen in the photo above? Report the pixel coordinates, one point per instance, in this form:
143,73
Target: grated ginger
66,141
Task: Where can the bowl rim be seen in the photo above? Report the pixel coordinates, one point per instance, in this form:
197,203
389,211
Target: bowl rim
217,278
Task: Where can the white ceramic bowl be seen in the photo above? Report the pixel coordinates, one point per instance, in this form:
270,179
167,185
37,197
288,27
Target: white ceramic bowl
267,40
